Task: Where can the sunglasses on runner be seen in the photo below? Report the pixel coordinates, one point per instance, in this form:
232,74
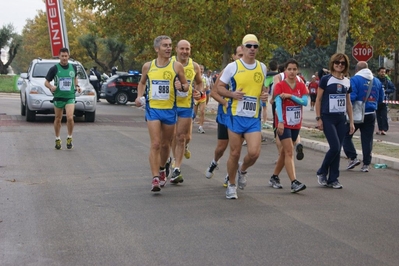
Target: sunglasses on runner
249,46
340,63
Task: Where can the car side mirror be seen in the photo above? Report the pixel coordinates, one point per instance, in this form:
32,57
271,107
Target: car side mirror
24,75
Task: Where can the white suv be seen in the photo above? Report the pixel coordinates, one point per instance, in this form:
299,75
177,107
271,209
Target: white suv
37,99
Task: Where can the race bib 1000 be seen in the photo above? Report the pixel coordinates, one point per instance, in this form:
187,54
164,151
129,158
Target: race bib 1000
247,106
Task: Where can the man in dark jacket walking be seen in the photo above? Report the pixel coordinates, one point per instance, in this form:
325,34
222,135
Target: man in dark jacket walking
96,81
382,111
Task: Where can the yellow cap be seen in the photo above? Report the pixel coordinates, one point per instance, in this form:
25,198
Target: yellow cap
250,38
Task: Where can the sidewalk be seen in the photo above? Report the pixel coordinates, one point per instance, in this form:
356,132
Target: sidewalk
322,145
9,95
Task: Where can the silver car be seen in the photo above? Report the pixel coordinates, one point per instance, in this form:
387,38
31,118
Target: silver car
37,99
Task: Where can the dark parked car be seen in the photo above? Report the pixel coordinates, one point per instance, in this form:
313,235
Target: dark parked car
121,88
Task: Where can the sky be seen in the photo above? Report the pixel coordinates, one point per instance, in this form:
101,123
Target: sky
17,12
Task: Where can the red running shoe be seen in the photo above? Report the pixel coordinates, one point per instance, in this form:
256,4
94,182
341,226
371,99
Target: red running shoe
155,185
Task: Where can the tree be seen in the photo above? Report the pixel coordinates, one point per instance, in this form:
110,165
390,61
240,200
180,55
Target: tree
111,50
215,28
9,38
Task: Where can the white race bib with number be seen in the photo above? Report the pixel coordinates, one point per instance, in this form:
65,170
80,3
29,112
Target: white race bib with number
293,115
337,103
65,84
247,106
160,89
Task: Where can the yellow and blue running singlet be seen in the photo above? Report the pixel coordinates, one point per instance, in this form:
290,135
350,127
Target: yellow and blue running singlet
160,86
184,99
251,83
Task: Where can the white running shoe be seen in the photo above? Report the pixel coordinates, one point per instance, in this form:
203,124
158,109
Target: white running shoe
231,192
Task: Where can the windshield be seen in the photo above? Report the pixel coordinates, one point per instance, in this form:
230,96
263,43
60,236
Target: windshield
81,72
40,70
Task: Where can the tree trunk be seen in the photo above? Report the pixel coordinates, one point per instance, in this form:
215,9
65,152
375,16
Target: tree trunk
3,69
343,26
226,55
227,47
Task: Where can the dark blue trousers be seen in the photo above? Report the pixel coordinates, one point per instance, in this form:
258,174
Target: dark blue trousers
335,128
382,117
366,139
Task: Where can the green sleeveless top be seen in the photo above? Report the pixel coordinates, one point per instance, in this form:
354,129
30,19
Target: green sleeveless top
65,82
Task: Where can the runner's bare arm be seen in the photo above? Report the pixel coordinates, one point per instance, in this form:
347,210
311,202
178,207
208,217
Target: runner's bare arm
142,83
197,78
180,73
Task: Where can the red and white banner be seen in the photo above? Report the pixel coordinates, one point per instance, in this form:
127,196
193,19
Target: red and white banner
56,26
391,102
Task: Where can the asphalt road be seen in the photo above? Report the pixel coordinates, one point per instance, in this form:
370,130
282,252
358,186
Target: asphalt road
93,206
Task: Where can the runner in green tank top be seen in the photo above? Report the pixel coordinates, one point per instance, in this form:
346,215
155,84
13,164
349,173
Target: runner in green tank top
65,83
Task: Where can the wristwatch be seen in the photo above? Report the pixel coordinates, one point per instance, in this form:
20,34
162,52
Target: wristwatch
317,118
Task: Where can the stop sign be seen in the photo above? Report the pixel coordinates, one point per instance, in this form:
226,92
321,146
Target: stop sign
362,51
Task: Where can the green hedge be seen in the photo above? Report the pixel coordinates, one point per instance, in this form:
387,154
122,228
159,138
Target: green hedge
8,83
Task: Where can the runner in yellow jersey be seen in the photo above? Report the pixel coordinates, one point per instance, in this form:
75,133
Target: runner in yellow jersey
184,108
157,81
222,135
245,77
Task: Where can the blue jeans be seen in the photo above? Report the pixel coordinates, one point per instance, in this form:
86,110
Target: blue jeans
382,117
366,139
335,129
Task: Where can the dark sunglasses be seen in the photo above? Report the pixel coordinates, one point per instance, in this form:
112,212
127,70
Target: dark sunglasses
340,63
249,46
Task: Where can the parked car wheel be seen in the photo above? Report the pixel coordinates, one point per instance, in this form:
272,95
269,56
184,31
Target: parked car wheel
90,116
121,98
30,115
23,110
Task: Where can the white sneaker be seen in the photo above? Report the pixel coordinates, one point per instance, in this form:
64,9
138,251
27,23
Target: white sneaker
231,192
210,169
266,126
365,168
242,178
201,130
353,163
